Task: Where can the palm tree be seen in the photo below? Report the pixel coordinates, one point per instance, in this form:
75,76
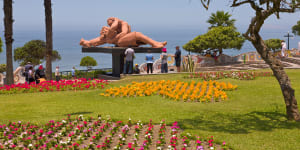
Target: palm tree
49,41
8,25
220,18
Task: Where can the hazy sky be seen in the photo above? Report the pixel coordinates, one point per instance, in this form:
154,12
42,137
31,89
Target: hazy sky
150,14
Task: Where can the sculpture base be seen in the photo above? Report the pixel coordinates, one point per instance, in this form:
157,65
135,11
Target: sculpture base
118,55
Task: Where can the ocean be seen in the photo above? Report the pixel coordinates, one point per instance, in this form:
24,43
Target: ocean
67,44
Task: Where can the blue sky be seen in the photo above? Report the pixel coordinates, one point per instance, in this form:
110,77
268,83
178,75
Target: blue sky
150,14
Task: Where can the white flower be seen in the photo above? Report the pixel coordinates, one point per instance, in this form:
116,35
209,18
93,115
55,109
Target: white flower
211,148
129,118
64,121
158,148
174,135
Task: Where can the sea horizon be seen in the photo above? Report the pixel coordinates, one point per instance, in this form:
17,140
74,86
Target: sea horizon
67,44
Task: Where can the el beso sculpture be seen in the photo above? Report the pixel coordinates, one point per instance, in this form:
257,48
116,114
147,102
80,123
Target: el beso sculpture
119,33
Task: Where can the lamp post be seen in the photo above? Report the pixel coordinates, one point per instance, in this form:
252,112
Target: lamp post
288,36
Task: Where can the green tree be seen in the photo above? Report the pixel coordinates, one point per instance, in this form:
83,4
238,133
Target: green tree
217,38
88,61
273,44
220,18
296,28
1,45
263,9
8,29
33,51
2,68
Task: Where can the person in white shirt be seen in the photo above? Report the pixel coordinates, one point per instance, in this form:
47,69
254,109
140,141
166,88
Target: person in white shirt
129,55
283,48
57,74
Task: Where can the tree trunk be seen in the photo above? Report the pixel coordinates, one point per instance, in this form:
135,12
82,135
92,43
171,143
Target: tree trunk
281,76
8,25
49,42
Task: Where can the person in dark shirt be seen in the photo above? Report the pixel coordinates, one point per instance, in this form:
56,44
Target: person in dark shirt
178,58
26,73
136,69
39,74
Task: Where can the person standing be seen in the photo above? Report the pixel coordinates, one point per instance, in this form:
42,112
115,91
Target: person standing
129,55
30,75
178,58
164,61
57,74
26,73
73,72
149,61
283,45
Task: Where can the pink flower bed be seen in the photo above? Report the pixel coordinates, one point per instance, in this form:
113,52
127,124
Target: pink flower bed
248,75
50,86
100,133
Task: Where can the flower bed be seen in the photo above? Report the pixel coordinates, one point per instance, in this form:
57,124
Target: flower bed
200,92
99,133
233,74
49,86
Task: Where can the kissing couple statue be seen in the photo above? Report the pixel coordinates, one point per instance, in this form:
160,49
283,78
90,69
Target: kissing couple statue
118,32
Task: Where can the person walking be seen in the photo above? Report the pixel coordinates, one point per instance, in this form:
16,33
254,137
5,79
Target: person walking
178,58
129,55
164,61
57,78
149,61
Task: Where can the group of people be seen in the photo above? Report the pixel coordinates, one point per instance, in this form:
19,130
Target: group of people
37,75
32,75
129,56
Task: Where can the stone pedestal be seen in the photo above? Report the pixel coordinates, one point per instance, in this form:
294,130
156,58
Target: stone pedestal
118,55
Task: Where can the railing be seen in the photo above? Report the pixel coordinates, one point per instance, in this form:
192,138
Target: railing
87,74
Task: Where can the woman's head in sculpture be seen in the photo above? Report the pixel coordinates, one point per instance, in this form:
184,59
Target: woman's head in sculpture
110,21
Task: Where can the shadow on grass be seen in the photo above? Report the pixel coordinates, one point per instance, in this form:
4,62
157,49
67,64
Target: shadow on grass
79,113
240,124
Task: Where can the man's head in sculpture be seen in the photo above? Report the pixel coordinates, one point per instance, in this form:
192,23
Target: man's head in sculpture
110,21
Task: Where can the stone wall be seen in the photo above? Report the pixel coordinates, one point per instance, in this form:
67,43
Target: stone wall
205,61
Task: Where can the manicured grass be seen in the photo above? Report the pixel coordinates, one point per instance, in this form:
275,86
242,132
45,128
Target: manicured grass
252,118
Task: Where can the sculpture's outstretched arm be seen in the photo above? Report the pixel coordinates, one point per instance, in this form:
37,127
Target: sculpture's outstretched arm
94,42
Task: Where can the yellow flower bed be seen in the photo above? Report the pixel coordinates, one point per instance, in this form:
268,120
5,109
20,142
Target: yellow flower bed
206,91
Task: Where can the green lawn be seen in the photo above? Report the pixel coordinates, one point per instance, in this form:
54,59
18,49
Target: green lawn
253,118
